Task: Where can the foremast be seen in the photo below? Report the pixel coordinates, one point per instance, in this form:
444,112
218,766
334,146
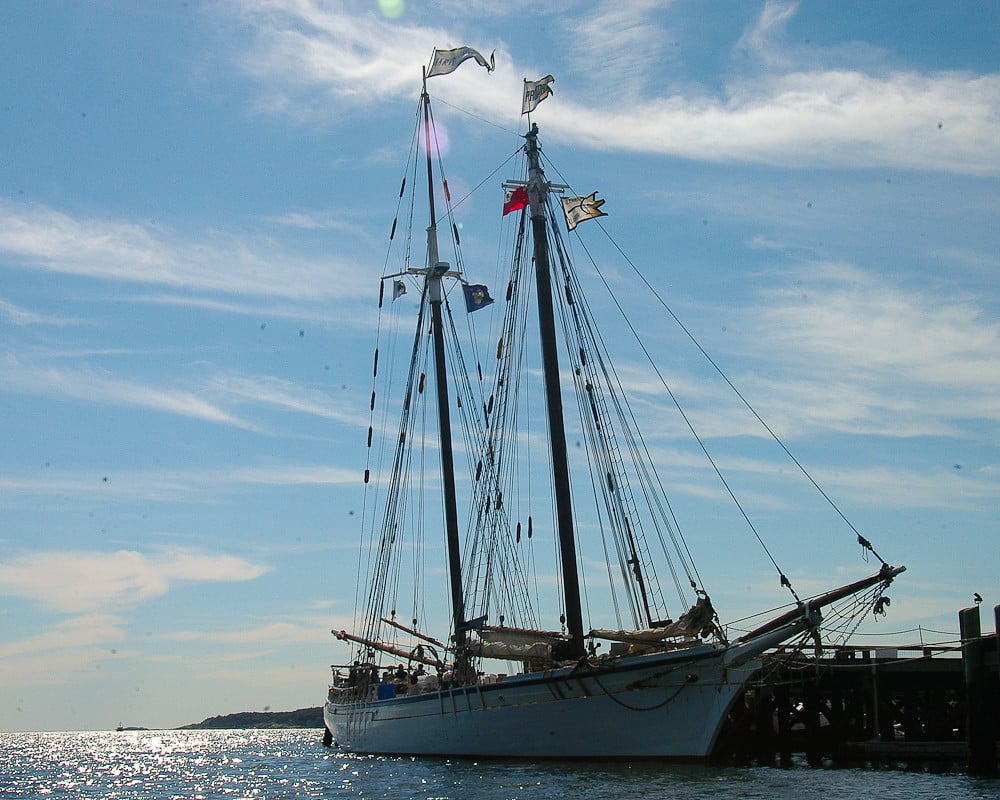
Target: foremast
538,202
436,270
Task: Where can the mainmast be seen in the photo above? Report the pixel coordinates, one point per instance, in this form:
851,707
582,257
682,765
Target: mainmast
537,197
436,270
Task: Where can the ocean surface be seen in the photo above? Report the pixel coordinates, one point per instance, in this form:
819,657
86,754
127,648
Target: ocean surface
293,764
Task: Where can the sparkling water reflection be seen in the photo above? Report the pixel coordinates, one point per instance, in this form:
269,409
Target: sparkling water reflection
293,764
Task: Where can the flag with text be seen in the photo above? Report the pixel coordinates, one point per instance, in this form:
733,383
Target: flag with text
445,61
535,92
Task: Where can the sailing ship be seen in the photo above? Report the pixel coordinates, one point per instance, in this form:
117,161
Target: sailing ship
496,680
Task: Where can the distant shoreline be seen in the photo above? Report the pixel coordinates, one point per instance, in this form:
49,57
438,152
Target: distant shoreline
300,718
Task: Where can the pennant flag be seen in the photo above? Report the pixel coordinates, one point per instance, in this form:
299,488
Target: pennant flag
535,92
477,296
445,61
515,200
577,209
398,289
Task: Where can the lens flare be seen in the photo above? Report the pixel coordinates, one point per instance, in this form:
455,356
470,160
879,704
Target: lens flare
440,141
393,9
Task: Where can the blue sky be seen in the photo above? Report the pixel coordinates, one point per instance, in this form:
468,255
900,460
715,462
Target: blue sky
194,203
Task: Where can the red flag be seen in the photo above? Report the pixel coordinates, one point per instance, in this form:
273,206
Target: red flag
515,200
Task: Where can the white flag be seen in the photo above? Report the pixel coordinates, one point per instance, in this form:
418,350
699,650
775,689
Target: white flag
398,289
577,209
445,61
535,92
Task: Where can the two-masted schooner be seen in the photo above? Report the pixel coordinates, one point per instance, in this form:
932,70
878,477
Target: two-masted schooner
497,682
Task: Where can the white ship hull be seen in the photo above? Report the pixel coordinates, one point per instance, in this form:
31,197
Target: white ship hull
665,706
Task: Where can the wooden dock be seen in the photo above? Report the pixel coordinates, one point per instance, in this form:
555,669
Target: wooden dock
916,705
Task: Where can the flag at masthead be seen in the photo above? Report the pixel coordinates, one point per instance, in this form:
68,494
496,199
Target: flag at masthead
446,61
535,92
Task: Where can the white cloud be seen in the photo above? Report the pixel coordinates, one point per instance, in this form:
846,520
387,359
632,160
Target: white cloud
206,399
91,385
338,317
170,485
75,633
907,489
875,486
329,220
830,347
945,122
23,316
92,581
270,634
302,45
55,667
286,395
799,115
759,40
40,237
630,43
909,363
293,475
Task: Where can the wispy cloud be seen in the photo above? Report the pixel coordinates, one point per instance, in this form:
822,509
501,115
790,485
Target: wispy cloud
910,363
765,48
306,45
759,40
891,487
330,220
800,115
283,394
168,485
294,475
23,316
73,634
874,485
339,317
827,346
91,385
630,43
39,237
115,580
940,122
315,630
62,652
203,398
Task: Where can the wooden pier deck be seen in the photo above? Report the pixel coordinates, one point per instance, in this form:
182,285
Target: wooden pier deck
913,705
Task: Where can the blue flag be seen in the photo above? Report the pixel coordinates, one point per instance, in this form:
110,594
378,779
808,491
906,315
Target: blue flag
477,296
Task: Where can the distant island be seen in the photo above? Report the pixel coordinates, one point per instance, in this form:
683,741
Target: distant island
300,718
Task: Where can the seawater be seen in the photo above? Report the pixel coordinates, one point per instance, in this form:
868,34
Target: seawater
294,764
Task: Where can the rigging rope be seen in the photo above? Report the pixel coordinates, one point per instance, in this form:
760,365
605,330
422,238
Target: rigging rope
371,489
861,539
718,472
609,480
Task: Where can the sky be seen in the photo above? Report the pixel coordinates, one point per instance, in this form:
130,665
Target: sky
194,206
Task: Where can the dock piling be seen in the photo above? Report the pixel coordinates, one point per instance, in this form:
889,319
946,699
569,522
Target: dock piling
980,735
